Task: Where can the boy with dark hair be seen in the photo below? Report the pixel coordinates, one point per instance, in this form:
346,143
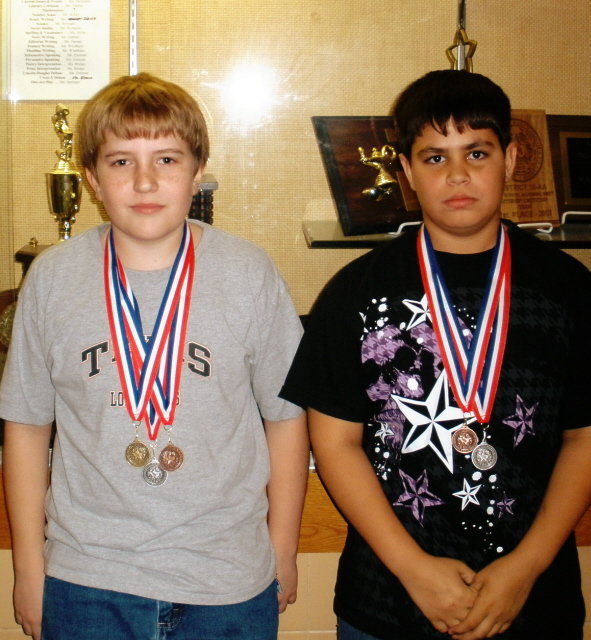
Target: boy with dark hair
156,344
446,376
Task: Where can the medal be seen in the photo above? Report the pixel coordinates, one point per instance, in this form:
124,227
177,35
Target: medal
464,439
150,369
484,457
473,367
137,454
171,457
154,474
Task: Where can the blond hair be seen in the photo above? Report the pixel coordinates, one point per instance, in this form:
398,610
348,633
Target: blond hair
141,106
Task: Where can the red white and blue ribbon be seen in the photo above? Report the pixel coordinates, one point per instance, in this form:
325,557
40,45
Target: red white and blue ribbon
473,366
150,368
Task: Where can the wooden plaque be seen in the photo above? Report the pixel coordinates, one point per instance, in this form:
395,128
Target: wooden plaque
531,195
339,139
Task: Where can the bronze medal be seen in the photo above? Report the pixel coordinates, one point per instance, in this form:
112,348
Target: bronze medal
171,458
484,457
154,474
464,440
137,454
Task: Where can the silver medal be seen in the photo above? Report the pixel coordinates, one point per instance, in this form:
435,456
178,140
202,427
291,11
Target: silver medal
154,474
484,457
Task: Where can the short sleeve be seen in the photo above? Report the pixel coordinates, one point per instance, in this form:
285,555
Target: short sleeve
326,372
278,332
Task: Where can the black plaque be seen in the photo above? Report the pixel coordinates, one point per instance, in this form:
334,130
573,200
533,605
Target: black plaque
570,140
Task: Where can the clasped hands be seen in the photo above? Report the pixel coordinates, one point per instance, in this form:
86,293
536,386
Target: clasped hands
465,604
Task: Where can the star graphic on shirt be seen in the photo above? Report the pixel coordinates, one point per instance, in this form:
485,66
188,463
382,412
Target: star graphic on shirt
433,421
420,311
505,505
468,494
416,495
522,420
384,431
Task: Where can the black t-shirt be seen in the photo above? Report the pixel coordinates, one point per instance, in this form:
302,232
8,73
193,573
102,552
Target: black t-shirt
370,355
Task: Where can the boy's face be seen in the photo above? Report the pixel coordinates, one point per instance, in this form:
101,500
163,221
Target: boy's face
146,185
459,179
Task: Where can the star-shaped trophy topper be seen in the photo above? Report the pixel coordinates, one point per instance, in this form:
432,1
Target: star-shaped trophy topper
462,49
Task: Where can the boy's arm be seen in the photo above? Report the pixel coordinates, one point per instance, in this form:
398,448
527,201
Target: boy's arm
436,585
289,451
504,585
26,468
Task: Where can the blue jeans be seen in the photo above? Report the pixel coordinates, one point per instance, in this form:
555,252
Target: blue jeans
72,612
346,632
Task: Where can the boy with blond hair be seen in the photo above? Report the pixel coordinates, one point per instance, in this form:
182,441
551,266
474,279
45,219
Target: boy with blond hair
158,346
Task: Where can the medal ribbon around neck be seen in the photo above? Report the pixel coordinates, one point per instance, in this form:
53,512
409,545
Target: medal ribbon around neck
473,367
150,369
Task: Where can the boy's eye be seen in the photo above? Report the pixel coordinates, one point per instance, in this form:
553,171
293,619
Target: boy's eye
120,162
477,155
167,160
435,159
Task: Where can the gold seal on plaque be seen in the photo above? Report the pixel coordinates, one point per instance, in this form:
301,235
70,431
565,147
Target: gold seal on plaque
530,150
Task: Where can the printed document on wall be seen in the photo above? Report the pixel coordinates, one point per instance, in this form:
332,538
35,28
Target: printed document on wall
57,49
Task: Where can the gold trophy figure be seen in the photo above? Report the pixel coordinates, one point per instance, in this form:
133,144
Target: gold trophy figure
379,159
462,49
64,183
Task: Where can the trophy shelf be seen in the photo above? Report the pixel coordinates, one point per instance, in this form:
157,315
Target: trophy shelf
328,234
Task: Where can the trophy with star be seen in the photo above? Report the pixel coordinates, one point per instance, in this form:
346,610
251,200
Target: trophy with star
462,49
64,183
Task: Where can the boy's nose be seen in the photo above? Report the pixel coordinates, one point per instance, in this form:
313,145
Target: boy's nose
457,174
145,180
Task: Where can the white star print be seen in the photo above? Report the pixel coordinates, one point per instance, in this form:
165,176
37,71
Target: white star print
433,422
420,311
468,494
384,431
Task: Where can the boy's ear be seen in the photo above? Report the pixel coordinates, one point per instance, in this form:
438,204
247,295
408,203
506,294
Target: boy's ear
510,159
197,179
407,169
94,183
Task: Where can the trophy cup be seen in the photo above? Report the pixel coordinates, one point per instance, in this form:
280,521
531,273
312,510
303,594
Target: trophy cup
64,183
384,182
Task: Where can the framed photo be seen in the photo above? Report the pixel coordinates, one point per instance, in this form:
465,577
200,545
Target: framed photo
368,186
570,141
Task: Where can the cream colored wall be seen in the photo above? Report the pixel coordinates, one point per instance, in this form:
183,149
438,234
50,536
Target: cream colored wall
328,57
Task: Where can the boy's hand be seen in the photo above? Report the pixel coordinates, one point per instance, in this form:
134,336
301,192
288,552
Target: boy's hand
28,603
503,587
441,589
287,579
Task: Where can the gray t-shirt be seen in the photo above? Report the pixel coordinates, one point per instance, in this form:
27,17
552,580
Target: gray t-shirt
200,538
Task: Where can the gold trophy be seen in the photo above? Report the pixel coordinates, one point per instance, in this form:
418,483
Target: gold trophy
462,49
384,182
64,183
